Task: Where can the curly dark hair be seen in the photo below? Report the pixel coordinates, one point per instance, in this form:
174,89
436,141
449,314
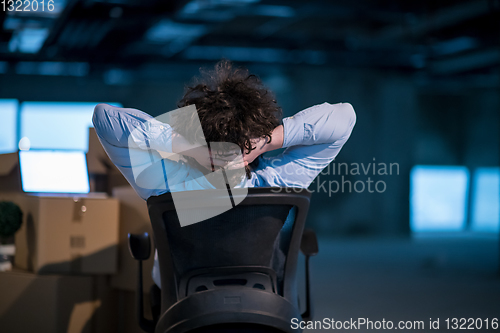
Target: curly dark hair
233,106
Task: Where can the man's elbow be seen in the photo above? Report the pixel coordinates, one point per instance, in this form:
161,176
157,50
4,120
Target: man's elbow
103,121
345,120
99,114
349,113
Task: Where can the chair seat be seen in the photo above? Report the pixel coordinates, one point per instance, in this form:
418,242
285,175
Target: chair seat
241,284
228,305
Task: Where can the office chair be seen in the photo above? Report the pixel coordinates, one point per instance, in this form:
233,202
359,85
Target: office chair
232,272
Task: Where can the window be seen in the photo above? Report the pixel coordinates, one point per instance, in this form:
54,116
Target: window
485,200
8,125
57,125
438,198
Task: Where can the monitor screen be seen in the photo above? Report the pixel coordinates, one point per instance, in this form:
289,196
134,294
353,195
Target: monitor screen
47,171
438,198
57,125
8,125
486,199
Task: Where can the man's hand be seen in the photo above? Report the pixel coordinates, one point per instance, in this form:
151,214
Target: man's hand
211,159
231,158
215,159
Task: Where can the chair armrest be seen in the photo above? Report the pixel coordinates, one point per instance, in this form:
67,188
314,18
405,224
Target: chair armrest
140,249
309,243
308,246
139,246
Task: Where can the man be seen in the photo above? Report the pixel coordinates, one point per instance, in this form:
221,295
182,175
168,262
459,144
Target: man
232,106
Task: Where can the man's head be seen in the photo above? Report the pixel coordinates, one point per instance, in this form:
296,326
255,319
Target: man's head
233,106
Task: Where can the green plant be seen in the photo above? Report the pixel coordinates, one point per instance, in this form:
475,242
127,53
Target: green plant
11,218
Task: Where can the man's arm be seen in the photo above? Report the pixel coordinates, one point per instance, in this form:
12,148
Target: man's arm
313,138
133,140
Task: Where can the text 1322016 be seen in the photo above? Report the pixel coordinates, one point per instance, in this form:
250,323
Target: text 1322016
27,5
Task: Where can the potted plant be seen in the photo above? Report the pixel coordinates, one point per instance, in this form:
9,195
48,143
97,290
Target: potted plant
11,218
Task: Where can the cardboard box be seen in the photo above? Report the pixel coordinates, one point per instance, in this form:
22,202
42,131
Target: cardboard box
134,219
106,317
76,235
98,161
127,313
10,175
103,174
46,304
16,197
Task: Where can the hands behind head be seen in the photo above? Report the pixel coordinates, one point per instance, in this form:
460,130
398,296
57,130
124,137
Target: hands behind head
221,154
229,158
213,159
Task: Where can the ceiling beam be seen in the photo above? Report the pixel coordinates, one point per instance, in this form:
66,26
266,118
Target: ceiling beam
467,62
58,26
441,19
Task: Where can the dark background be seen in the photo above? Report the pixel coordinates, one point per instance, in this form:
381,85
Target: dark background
422,75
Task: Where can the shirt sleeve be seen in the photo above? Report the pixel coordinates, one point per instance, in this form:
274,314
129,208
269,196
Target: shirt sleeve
312,138
133,139
124,127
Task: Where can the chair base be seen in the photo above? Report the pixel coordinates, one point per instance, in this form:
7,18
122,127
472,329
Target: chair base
240,328
223,307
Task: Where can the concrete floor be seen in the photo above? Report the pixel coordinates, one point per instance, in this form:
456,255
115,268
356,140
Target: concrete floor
406,279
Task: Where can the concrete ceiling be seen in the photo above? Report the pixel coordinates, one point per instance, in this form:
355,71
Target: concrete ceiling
78,36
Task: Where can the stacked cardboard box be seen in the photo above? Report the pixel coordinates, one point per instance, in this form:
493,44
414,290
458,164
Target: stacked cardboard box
104,175
42,303
75,240
57,303
10,179
134,219
73,271
77,235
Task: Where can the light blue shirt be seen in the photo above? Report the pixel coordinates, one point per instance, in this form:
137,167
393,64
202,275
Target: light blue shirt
312,138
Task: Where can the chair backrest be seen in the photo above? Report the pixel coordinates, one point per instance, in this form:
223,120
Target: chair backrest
240,243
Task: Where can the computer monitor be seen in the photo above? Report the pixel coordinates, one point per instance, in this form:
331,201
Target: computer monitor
57,125
8,125
52,171
438,198
486,200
